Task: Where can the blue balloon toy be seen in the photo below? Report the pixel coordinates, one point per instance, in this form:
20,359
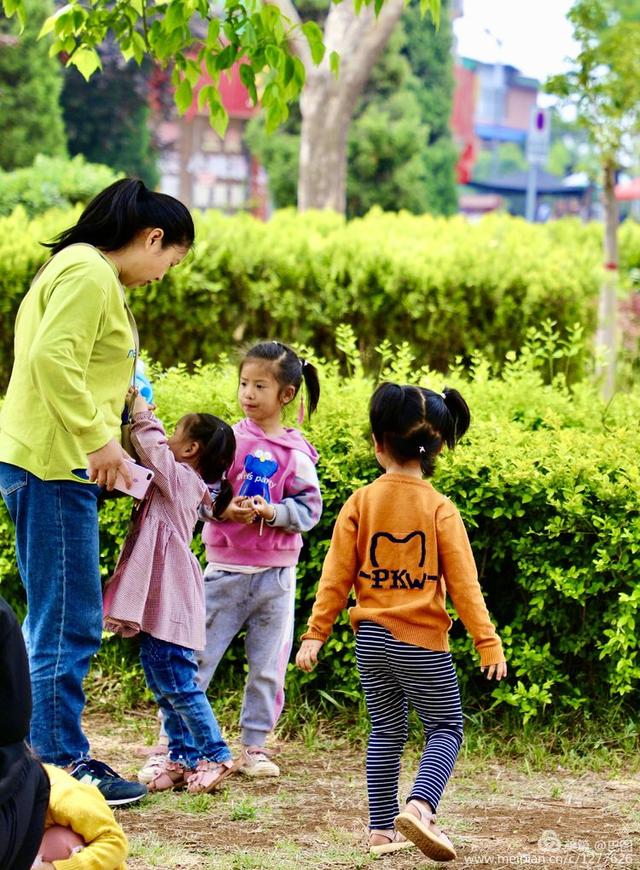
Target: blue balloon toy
143,384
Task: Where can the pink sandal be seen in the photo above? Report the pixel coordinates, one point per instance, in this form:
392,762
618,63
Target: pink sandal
208,775
423,831
172,775
395,842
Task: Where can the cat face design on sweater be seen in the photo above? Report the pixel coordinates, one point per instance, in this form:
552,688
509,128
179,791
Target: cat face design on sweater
388,554
258,469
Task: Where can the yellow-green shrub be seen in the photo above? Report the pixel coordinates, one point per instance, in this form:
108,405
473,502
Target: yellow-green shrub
548,484
447,286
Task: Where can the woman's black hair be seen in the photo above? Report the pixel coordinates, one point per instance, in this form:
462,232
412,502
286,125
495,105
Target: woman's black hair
413,422
116,215
289,369
218,446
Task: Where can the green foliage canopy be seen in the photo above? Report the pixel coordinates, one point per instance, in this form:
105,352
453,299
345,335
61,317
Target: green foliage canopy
192,34
30,85
604,83
107,117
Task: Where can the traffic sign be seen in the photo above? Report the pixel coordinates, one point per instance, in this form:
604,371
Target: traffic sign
539,136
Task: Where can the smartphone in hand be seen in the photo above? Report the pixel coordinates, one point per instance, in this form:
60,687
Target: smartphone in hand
142,478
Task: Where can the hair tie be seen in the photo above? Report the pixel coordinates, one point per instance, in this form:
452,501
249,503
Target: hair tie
303,363
422,449
443,394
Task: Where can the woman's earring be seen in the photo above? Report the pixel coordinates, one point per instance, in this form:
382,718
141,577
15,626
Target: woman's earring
301,411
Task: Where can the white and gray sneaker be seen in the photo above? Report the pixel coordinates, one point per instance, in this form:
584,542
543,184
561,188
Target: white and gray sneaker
255,762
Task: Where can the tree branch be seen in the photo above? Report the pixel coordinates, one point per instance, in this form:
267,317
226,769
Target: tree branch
359,39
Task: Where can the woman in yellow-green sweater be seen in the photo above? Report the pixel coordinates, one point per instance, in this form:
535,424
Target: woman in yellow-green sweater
59,443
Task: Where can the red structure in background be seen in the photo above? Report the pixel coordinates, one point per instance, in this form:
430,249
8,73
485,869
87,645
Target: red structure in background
198,166
462,121
491,105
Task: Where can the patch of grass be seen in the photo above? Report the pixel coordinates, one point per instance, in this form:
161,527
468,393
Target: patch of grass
573,743
194,803
242,810
160,853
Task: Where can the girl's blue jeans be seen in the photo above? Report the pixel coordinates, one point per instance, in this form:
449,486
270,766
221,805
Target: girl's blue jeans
56,526
190,723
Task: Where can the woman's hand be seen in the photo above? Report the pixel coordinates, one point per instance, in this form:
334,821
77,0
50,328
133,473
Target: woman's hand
498,671
104,465
307,657
239,510
262,508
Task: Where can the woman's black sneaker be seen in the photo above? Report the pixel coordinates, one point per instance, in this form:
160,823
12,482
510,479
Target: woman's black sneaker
114,789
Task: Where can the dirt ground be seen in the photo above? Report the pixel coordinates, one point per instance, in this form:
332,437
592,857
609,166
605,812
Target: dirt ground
314,815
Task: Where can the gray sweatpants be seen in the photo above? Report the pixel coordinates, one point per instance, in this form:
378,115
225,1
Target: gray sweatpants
263,603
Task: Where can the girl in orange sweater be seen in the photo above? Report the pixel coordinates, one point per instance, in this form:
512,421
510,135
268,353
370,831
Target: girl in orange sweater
402,546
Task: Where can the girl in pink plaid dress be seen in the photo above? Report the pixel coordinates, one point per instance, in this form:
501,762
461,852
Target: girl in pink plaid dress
157,590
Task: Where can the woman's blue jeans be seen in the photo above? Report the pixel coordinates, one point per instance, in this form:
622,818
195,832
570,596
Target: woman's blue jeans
57,550
191,725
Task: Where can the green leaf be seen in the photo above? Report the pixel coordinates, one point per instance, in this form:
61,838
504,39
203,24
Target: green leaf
213,31
184,95
248,79
289,70
226,58
87,61
334,63
434,8
49,23
174,17
275,56
219,121
314,37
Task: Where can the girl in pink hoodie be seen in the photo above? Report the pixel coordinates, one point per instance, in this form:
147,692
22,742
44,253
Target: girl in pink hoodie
252,553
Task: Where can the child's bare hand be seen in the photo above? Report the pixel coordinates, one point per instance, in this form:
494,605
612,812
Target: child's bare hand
140,405
239,511
307,657
498,671
262,508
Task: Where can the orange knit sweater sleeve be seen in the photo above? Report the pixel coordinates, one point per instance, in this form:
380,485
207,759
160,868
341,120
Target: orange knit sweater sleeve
458,568
338,574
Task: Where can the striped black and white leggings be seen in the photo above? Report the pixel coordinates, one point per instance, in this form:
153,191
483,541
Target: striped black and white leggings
394,674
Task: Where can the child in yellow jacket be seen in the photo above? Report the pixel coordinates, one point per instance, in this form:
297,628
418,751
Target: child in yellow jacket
87,834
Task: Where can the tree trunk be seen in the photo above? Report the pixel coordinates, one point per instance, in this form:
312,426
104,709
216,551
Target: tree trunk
327,104
322,179
607,306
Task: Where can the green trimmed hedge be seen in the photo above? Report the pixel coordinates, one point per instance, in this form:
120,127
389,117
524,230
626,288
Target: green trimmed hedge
547,481
446,286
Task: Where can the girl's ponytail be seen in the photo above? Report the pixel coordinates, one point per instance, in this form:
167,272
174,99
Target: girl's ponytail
289,369
459,417
312,383
223,499
217,449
